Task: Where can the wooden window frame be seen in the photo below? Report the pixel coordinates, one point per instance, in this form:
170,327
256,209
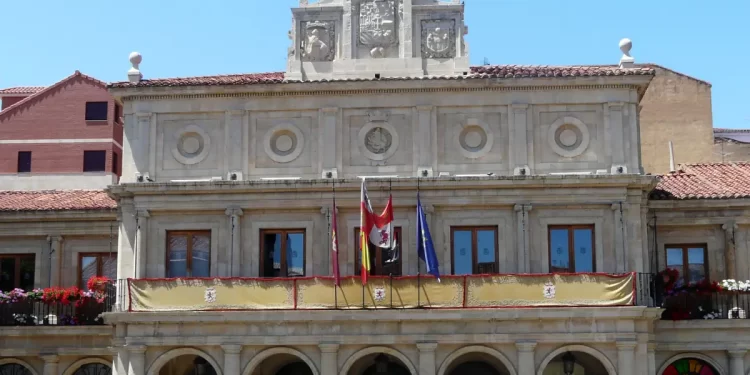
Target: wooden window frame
99,265
189,250
474,248
17,270
571,245
282,261
378,253
684,248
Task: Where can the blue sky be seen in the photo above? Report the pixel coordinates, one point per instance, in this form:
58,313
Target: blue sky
46,40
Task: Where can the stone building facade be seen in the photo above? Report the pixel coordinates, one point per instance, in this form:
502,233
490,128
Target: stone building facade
523,172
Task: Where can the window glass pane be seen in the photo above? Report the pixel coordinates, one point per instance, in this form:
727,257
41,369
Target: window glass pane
295,254
584,257
109,266
24,161
486,251
201,255
96,111
674,260
88,269
177,256
28,269
559,251
696,264
7,273
272,255
462,256
94,161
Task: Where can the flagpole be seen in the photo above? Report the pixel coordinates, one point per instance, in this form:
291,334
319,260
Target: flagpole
336,258
419,218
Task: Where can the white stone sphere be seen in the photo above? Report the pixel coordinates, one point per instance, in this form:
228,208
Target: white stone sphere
135,58
625,45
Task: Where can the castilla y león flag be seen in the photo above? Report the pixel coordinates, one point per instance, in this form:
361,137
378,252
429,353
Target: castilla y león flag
375,229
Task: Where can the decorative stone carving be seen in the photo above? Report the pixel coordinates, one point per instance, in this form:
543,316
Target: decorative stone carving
377,24
568,137
284,143
319,40
192,145
438,39
378,139
475,139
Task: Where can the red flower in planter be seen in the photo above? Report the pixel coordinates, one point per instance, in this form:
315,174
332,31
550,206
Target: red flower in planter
98,283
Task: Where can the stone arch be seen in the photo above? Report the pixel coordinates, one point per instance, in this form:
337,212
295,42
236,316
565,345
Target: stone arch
577,348
476,349
10,361
262,356
162,360
377,349
702,357
85,361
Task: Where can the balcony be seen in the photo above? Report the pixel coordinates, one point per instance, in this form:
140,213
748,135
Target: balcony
37,312
408,292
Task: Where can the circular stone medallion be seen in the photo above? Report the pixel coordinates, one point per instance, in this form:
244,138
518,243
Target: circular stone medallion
474,139
378,140
568,137
192,145
284,143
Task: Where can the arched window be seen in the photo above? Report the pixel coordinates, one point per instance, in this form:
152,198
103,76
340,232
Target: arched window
14,369
690,366
94,369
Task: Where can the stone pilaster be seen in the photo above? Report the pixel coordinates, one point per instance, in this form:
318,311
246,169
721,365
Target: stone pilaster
55,254
137,360
139,256
651,358
329,358
119,357
522,236
328,142
615,135
626,357
518,155
737,362
426,358
235,234
51,364
621,260
234,139
423,138
231,358
526,364
730,249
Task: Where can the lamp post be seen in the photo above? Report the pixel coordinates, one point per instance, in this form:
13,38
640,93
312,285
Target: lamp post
569,363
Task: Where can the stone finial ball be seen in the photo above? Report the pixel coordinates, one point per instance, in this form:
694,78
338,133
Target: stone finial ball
625,45
135,58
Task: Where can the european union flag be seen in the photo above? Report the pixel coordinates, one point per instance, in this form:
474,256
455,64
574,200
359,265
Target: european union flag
424,243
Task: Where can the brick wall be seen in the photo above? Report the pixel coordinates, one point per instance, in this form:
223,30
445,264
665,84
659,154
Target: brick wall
60,115
676,108
10,100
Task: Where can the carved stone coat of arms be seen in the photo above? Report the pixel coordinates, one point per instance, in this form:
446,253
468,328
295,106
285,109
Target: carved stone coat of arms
377,23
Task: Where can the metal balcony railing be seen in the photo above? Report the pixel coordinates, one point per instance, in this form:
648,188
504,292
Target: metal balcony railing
41,313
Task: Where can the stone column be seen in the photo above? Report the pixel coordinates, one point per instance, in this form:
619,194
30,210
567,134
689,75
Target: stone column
730,249
426,358
50,364
119,358
423,138
626,357
651,358
737,362
137,360
328,142
140,254
522,236
526,364
55,254
518,155
619,238
328,358
231,359
235,233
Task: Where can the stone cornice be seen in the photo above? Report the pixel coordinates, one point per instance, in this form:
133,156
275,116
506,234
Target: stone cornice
64,216
693,204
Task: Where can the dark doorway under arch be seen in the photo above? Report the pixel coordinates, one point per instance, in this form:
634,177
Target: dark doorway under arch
14,369
93,369
475,368
386,365
295,368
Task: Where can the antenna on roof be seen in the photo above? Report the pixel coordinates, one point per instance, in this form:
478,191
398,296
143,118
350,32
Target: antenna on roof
671,157
486,61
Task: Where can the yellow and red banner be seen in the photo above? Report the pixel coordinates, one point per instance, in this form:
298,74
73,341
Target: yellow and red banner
319,293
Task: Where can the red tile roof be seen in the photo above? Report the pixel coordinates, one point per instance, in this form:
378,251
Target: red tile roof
722,130
55,200
489,71
48,90
22,90
705,181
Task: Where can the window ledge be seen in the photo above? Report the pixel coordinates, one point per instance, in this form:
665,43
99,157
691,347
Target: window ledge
97,122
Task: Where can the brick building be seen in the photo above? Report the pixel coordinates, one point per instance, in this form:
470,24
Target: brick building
65,136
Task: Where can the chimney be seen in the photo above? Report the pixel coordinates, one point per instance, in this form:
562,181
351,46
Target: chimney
626,61
671,157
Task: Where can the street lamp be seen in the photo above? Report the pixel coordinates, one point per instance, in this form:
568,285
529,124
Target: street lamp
569,363
381,364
